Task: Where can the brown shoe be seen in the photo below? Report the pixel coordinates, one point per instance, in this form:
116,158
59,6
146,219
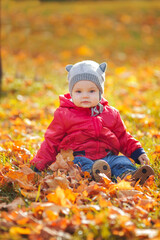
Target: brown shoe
100,166
142,174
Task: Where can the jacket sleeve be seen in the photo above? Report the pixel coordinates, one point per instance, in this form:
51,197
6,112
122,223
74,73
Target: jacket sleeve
129,146
49,147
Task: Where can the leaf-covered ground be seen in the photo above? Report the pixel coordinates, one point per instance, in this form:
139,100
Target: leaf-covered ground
38,40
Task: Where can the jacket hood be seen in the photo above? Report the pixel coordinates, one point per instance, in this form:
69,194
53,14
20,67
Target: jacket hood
65,101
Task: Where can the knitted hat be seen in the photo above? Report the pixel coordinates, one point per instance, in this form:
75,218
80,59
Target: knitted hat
87,70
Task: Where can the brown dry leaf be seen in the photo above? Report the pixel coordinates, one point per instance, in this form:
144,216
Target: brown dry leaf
128,193
18,202
147,233
89,207
141,210
31,175
147,203
3,179
21,179
57,181
30,195
74,173
43,206
26,169
47,233
67,154
59,164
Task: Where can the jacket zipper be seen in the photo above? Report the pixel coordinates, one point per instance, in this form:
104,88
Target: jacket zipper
97,135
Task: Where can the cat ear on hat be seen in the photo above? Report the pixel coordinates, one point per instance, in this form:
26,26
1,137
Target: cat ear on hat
103,66
68,67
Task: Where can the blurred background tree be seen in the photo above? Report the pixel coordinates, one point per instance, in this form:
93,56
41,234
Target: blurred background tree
0,74
39,38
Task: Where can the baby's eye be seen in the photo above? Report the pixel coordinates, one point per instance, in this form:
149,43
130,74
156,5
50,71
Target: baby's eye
92,91
78,91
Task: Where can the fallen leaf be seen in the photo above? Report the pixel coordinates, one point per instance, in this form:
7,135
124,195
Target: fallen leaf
147,233
57,181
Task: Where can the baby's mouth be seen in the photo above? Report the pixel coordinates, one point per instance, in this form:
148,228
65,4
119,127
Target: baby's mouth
85,102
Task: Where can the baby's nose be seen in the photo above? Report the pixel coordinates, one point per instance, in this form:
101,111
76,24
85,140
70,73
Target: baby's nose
85,95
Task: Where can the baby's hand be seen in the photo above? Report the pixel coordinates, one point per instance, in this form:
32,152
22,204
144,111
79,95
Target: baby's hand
144,160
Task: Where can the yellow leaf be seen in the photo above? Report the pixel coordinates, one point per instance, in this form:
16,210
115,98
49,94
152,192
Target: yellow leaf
85,193
124,185
19,230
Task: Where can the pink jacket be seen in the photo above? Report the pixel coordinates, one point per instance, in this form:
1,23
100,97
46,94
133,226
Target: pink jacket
74,128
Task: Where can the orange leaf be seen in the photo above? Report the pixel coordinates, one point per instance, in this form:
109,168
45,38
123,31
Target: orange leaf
51,215
58,197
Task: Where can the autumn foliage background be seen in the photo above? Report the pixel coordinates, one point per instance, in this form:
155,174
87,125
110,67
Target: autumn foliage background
37,40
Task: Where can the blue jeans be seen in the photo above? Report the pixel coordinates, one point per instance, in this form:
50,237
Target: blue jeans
118,164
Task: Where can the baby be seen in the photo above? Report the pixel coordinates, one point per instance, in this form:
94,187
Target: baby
95,132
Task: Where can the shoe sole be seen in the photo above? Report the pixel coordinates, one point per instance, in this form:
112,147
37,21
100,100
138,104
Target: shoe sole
100,166
142,174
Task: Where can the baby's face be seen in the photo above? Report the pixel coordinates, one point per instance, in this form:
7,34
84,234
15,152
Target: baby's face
85,94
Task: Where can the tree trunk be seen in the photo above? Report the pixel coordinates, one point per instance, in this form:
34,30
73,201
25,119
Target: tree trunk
0,75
